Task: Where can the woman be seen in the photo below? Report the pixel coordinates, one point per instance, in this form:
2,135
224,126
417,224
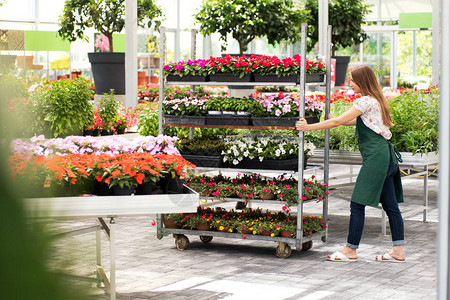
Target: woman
379,178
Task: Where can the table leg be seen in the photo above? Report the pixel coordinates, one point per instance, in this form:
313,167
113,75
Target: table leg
425,194
112,244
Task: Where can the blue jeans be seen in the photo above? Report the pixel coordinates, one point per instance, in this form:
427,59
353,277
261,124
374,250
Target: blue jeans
389,203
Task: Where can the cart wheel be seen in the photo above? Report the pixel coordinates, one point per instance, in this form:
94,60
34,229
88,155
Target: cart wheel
307,245
205,238
181,242
283,251
324,238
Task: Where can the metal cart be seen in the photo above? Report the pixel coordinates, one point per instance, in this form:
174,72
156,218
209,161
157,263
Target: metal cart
300,242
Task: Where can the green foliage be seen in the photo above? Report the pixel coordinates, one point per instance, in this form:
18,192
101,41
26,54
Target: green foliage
105,16
108,110
416,118
278,20
231,104
64,107
346,17
11,87
342,137
423,54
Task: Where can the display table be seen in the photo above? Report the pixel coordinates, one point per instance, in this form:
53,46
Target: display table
111,207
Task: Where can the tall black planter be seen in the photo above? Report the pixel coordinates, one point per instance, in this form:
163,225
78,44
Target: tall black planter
108,69
341,69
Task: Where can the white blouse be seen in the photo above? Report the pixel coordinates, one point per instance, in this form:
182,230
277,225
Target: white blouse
371,115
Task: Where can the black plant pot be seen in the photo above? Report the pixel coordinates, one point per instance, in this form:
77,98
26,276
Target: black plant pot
145,188
106,132
123,191
108,69
172,186
341,69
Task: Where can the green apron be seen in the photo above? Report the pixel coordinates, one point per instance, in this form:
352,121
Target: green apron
376,152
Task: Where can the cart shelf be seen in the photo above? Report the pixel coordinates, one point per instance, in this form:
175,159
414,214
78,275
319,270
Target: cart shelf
283,249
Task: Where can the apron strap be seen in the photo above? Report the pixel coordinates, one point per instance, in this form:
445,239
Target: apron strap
395,153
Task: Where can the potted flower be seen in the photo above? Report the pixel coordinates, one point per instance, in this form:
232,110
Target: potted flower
283,109
106,17
190,70
277,20
203,222
120,124
108,111
188,110
344,33
173,220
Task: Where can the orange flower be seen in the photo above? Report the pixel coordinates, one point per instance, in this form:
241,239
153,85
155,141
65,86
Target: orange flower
115,173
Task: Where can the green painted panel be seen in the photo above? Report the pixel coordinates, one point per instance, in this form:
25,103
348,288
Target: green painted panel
415,20
119,42
45,41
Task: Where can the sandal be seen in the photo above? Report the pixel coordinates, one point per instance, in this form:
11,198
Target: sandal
387,258
338,256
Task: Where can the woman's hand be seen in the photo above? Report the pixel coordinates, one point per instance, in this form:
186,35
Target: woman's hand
302,125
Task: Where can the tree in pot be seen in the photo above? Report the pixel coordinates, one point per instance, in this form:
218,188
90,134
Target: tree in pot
278,20
346,18
107,17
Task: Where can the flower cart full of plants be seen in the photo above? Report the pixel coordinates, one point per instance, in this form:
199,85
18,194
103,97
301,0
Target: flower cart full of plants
247,223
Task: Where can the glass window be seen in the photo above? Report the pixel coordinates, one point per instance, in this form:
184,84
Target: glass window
18,10
50,10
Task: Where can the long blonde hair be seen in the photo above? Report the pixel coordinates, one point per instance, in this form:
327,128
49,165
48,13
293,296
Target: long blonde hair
366,80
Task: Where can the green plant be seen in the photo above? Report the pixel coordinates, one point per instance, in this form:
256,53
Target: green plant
278,20
105,16
416,118
63,106
192,221
11,86
108,110
346,18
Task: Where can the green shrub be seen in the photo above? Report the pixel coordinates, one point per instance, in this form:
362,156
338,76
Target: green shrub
416,118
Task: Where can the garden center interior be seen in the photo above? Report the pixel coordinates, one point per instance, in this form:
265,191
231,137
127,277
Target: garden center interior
218,85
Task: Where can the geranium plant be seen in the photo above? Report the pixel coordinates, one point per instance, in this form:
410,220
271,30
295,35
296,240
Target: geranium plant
191,106
263,147
285,105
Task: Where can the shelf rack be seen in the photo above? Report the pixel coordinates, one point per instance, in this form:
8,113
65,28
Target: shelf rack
300,242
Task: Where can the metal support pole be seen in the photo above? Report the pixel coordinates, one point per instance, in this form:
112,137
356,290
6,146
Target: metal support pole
326,154
162,58
301,136
436,33
323,23
394,60
444,159
177,55
112,253
193,55
414,53
98,250
131,80
425,194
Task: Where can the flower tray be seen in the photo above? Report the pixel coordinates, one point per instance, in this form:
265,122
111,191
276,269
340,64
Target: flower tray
228,120
198,78
286,122
269,164
228,77
205,160
275,78
310,78
196,120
